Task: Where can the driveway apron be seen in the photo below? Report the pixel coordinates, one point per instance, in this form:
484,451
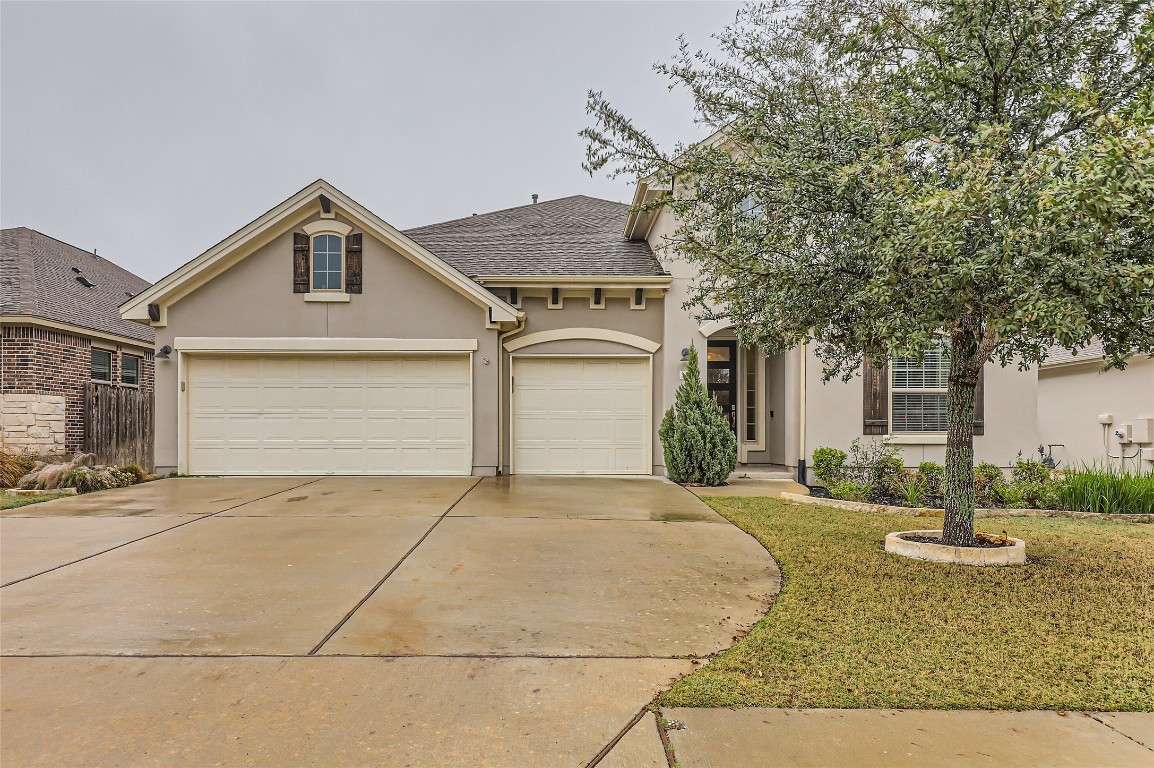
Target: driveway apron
362,621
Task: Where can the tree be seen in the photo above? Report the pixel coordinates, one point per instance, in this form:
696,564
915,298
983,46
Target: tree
891,173
697,438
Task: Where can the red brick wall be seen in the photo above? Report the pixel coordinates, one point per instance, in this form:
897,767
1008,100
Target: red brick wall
39,360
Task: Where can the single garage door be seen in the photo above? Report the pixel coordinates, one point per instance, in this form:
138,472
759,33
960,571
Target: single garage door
327,414
581,415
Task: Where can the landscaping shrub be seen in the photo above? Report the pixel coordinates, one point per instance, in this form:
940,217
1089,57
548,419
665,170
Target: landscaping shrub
989,485
848,490
1029,471
13,466
79,473
1031,495
1107,489
696,436
911,488
138,474
828,464
935,475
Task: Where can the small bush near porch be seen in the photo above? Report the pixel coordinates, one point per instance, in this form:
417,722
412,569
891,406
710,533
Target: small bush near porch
855,627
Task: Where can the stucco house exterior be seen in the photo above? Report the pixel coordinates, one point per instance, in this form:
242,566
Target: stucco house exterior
1090,416
541,339
60,329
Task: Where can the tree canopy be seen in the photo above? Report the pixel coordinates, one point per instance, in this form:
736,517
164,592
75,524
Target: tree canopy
888,173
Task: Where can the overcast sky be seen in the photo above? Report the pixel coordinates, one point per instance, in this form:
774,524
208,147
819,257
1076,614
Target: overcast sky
150,131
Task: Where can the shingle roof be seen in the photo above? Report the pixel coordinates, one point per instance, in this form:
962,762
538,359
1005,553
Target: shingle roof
1092,352
38,279
570,236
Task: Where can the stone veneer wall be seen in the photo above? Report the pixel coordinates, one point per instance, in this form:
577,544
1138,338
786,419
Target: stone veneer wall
33,423
43,361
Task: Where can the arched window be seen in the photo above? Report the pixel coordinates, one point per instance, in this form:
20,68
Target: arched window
328,263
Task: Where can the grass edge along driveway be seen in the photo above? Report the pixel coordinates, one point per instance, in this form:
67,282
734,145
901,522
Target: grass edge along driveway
855,627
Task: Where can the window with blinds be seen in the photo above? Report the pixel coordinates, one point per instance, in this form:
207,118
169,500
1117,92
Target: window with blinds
918,392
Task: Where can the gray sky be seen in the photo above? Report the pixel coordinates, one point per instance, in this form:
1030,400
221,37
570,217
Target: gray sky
150,131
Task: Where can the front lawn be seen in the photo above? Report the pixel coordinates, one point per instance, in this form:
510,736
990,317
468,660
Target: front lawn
855,627
12,502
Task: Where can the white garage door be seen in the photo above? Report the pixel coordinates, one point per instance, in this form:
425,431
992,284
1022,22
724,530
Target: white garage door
286,415
574,416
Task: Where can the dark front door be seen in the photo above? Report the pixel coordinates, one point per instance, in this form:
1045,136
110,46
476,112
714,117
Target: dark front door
721,377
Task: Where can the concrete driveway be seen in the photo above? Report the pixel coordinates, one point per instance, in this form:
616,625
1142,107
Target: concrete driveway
362,621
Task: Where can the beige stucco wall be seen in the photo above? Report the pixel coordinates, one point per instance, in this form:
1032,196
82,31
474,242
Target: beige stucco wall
682,328
835,412
1070,399
254,298
617,315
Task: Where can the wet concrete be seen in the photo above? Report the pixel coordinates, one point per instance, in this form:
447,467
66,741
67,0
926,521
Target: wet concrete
228,606
591,498
362,496
215,586
183,496
321,711
590,587
639,748
822,738
31,545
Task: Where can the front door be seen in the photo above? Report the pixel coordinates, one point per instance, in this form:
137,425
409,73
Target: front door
721,377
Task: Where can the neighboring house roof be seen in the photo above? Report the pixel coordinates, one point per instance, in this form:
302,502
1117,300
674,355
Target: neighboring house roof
40,277
1092,352
570,236
288,215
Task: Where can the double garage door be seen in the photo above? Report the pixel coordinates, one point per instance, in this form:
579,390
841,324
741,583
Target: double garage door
398,415
318,414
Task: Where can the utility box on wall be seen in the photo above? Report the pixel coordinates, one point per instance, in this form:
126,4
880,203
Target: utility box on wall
1140,431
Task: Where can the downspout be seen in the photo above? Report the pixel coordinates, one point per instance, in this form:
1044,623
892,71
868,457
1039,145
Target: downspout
801,469
501,337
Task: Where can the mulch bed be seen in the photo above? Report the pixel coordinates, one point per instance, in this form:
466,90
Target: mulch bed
979,544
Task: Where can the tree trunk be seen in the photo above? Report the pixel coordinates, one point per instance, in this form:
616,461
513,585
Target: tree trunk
965,363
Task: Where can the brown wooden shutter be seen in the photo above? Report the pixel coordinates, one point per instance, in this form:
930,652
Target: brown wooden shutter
300,262
877,397
980,403
353,263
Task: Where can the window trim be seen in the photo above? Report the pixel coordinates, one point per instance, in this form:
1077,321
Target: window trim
91,370
896,390
339,230
139,369
754,363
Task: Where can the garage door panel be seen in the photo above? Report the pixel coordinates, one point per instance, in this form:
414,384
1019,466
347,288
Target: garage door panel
581,415
339,415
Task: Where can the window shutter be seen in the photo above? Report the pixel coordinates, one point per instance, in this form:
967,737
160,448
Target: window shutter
353,263
980,403
300,262
877,397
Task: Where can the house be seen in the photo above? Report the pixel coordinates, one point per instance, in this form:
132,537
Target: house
1090,416
543,339
61,335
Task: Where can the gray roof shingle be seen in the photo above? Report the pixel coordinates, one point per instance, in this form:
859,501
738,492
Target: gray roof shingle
37,279
569,236
1092,352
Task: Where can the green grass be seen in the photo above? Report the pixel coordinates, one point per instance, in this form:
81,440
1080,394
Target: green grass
1107,489
12,502
855,627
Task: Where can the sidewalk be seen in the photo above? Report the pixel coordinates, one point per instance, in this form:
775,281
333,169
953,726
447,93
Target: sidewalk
829,738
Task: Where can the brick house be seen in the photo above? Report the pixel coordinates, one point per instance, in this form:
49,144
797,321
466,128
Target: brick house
59,330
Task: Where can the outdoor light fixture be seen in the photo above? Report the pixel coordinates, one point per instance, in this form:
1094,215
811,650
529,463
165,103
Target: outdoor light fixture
685,354
164,352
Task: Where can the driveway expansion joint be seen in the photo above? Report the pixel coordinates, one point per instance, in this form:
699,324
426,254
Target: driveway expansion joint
155,533
1099,720
616,739
316,649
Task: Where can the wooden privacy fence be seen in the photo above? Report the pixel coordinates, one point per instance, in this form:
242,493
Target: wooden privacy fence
118,423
